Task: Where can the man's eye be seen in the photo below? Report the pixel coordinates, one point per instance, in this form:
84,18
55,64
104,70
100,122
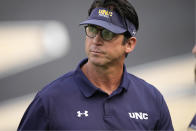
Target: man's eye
92,29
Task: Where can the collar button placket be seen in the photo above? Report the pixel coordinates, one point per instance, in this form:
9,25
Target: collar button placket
107,108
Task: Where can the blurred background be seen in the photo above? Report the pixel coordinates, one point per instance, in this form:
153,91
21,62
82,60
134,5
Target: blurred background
41,40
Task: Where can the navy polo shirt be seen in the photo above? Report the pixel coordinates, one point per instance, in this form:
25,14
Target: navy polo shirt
192,125
72,102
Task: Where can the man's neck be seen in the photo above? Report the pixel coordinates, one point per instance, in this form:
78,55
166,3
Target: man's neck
107,79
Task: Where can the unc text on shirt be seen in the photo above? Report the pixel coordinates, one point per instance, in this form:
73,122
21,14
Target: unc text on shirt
140,115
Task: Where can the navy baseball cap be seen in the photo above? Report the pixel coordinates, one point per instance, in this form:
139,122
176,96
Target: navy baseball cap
110,20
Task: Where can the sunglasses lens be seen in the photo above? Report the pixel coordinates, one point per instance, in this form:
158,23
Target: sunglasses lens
91,31
107,35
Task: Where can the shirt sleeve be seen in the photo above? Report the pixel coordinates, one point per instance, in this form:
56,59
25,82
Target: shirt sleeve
165,122
35,117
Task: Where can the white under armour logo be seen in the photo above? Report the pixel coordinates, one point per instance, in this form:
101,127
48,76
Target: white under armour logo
140,115
80,114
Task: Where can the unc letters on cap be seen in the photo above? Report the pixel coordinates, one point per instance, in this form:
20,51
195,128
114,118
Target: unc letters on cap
105,13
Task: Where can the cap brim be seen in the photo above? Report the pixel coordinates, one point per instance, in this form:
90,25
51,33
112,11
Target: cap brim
109,26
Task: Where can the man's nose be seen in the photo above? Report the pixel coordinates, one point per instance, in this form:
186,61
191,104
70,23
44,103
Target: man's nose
98,39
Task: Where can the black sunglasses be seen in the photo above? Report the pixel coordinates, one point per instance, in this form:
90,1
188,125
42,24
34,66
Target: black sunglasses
92,31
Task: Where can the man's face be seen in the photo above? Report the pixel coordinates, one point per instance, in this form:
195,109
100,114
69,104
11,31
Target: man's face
194,50
102,52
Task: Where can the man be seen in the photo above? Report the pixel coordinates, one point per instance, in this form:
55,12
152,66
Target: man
192,125
194,53
194,49
100,94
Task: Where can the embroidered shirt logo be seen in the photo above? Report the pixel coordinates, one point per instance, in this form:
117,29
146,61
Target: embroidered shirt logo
105,13
138,115
80,114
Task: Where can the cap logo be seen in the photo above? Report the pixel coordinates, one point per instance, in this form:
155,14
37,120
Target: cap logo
105,13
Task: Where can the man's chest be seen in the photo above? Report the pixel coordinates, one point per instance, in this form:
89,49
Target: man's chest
103,114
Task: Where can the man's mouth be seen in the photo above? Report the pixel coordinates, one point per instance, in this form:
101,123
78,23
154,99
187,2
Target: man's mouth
97,51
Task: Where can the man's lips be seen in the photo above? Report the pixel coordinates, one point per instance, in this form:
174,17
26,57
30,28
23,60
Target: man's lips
97,51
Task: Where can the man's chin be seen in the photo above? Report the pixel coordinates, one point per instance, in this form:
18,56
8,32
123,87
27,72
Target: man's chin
97,61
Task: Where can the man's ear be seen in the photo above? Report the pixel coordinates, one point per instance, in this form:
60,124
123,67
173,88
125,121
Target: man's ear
130,44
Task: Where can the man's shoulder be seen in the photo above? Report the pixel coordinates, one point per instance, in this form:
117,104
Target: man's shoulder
139,81
61,84
140,85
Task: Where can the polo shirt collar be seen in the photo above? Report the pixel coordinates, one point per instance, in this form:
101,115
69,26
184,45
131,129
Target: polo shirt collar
87,88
